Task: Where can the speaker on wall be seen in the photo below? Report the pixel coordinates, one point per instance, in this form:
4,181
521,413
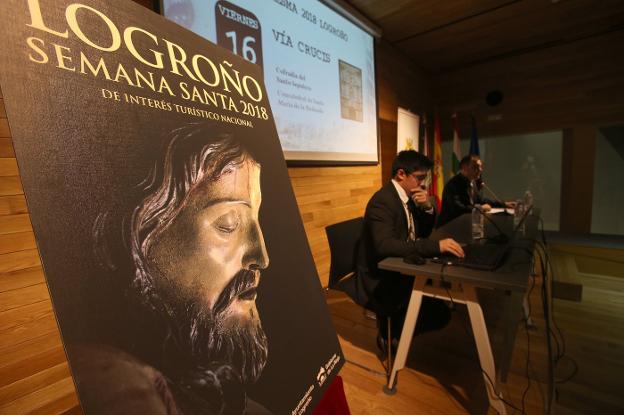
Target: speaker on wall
494,98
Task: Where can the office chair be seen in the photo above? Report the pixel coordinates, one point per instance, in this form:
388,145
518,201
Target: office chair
344,242
344,239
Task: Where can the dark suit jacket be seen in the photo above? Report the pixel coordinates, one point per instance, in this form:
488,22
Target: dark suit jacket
385,234
456,199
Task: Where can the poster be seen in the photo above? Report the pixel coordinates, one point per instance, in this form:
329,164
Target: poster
408,127
173,249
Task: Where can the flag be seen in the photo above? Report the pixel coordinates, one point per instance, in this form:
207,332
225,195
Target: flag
425,137
474,139
426,151
456,146
438,170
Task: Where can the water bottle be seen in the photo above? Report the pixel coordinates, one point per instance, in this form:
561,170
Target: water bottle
528,199
477,223
518,214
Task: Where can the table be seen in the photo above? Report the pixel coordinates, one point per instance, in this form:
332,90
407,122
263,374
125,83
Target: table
511,278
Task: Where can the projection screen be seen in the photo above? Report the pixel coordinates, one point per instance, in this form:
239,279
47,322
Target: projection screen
319,70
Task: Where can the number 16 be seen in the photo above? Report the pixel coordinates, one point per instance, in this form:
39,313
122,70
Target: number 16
248,51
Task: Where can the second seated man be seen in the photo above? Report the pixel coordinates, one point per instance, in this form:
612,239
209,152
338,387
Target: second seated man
463,191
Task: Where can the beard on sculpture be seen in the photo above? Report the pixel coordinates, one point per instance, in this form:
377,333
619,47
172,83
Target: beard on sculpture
212,337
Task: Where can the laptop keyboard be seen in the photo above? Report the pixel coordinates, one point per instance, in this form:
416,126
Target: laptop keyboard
481,256
489,254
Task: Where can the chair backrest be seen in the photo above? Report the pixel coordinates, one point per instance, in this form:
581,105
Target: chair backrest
343,238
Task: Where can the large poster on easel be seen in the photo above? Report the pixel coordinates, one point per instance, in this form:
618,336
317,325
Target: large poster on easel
169,234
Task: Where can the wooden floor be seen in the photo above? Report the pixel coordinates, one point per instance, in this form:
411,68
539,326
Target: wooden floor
443,375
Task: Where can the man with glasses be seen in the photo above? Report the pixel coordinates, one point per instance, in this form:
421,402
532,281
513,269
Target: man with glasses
463,191
397,222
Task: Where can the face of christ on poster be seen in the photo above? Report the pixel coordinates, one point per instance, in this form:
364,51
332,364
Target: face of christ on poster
197,252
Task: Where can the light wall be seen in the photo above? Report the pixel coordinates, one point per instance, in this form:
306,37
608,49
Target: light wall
516,163
607,217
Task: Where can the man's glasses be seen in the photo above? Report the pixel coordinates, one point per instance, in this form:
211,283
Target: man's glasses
422,178
419,177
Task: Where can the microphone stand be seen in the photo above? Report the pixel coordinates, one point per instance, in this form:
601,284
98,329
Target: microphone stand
495,196
501,237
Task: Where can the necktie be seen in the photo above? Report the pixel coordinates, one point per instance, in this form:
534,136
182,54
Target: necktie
411,228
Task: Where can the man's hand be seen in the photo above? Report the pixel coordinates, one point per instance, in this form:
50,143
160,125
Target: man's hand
510,205
486,207
421,198
449,245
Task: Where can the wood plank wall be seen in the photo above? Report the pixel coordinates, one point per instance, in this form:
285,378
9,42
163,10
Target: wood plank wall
579,145
575,84
34,375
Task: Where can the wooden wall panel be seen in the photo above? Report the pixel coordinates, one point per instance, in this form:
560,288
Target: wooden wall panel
18,241
579,155
21,278
388,147
326,195
580,83
15,261
4,128
44,351
10,186
6,148
55,398
34,376
13,205
14,223
8,167
399,83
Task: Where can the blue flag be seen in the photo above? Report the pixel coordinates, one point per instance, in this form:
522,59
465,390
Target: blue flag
474,138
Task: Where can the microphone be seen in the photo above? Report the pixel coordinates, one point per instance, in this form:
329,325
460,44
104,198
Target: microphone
483,185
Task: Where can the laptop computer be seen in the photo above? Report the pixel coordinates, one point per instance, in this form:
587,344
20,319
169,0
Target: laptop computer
484,254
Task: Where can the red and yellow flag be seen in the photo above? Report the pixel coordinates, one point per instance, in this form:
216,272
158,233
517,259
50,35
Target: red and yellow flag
425,137
427,151
438,170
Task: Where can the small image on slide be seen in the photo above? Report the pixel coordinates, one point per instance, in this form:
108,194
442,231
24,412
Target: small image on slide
351,103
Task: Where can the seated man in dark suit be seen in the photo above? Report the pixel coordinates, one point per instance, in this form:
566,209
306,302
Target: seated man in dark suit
463,191
398,219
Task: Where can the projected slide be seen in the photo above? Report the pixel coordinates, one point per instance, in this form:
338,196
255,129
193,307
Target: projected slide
318,69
